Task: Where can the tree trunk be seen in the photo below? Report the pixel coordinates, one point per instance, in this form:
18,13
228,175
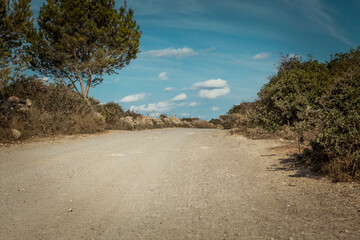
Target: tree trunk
80,81
88,84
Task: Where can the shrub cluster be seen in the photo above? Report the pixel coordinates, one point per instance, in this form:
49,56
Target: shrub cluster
56,109
320,99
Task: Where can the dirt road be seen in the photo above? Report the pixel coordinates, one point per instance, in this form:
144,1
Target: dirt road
168,184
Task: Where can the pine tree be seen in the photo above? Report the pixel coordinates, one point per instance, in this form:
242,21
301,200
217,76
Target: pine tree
78,41
15,23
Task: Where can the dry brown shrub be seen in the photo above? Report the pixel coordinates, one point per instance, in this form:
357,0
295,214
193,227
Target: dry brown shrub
56,109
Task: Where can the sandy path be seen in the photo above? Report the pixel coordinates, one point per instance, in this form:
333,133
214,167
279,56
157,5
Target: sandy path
168,184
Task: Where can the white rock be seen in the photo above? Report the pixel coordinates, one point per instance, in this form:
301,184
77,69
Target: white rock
15,134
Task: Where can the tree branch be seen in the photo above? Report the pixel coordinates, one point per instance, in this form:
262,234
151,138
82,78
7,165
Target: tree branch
73,83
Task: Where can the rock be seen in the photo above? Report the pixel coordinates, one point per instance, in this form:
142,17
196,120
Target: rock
158,123
28,103
202,124
21,108
144,122
14,99
176,121
186,124
70,210
15,134
128,123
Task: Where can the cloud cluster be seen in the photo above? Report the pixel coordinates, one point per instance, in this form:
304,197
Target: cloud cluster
215,109
194,104
168,89
179,97
171,52
261,56
160,107
210,84
212,88
215,93
153,107
133,98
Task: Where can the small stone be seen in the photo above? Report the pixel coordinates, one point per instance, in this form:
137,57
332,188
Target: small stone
28,103
15,134
14,99
69,210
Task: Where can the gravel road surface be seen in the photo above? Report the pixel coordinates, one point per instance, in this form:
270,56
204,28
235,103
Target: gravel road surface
168,184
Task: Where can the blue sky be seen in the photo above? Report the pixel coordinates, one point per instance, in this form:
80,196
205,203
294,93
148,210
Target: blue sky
200,57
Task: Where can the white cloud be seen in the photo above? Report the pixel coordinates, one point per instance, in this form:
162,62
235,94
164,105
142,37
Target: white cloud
164,106
168,89
214,93
163,76
261,56
212,83
159,107
215,109
212,88
179,97
194,104
185,114
171,52
133,98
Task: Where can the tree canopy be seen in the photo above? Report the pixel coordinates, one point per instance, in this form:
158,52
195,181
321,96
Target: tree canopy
15,22
78,41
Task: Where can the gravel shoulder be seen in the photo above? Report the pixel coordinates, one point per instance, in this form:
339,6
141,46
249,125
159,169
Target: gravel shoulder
168,184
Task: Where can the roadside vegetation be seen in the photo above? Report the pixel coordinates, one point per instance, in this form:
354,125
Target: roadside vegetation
315,103
48,109
34,108
75,44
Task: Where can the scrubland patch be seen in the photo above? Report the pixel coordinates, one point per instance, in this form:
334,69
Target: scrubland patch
313,103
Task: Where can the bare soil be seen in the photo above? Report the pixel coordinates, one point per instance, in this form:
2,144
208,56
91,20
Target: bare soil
169,184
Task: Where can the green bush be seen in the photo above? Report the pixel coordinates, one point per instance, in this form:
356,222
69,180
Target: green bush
215,121
322,99
296,87
338,146
189,119
113,113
